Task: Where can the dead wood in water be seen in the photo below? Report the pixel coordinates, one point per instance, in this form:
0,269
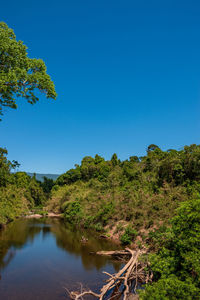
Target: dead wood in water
116,254
119,284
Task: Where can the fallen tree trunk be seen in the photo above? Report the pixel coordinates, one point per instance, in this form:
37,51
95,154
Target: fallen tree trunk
123,255
114,253
121,282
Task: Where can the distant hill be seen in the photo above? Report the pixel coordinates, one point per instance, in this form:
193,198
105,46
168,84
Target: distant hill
41,176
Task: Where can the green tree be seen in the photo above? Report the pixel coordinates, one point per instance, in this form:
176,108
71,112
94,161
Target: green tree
5,167
114,159
176,266
152,147
36,192
20,76
47,185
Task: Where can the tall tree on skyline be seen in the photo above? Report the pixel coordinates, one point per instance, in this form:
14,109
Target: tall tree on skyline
20,76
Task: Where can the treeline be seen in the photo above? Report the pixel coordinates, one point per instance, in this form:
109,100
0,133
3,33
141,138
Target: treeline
171,166
142,190
152,202
19,193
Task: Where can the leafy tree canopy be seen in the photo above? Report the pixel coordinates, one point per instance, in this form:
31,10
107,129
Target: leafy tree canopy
20,76
176,266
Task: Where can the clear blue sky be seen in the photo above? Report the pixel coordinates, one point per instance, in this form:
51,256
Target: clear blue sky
127,74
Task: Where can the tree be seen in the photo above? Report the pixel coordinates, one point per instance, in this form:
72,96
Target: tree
114,159
176,266
47,185
152,147
20,76
5,167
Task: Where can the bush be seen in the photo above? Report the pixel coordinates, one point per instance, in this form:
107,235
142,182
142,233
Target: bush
176,266
12,204
128,236
105,214
98,227
88,223
171,288
64,206
73,212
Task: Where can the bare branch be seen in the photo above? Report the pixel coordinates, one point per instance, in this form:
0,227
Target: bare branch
133,270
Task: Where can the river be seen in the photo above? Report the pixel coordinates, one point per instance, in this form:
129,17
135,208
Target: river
41,258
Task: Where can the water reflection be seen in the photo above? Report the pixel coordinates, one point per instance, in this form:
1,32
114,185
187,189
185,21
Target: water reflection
45,255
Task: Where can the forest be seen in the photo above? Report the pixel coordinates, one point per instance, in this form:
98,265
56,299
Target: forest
151,202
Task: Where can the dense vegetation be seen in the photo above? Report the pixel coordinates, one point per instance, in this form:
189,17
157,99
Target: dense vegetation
176,266
151,201
19,193
142,192
23,77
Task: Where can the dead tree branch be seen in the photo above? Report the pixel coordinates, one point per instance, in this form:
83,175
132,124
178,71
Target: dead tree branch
119,283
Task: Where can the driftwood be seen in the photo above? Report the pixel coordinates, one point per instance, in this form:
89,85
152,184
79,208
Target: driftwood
120,284
116,254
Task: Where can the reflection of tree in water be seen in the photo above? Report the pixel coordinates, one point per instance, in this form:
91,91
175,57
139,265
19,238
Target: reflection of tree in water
15,236
69,238
8,255
22,232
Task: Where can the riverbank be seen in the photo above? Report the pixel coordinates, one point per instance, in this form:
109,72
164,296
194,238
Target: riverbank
32,215
46,215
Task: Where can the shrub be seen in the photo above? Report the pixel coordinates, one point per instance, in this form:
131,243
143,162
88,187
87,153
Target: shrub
73,212
176,265
171,288
105,214
129,234
98,227
88,222
64,206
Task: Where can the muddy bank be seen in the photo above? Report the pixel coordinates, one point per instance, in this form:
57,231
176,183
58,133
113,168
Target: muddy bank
48,215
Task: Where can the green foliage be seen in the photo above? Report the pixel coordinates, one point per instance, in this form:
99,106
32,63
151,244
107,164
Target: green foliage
90,168
89,223
114,160
5,167
176,266
47,185
36,192
159,237
98,227
178,168
142,191
21,179
73,212
104,214
171,288
20,75
139,190
141,195
64,206
12,204
18,191
128,236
